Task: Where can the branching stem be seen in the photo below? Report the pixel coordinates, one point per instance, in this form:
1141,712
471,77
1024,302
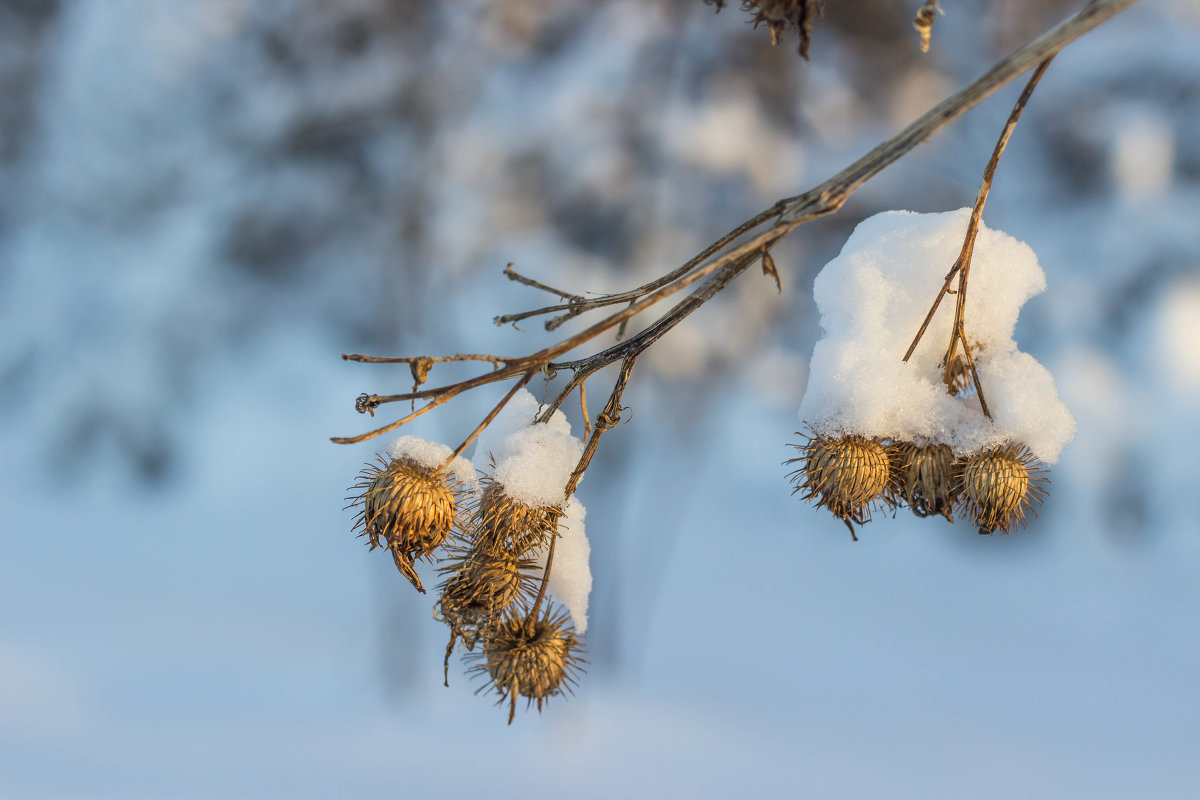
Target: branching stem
962,266
726,258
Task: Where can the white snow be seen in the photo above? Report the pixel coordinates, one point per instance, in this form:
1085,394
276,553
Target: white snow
432,455
532,462
571,576
872,299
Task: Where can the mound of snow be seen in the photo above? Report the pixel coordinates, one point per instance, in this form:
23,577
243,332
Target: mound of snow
873,298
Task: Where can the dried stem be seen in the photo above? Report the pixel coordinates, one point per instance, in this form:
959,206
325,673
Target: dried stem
989,174
962,266
496,360
724,260
610,417
488,419
575,309
513,275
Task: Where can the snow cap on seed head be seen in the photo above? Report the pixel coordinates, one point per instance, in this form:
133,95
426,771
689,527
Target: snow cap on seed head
873,297
533,462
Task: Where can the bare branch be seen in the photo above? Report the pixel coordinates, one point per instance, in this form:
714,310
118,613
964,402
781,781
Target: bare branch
726,264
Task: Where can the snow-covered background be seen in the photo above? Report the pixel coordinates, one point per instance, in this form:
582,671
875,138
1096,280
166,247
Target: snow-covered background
204,202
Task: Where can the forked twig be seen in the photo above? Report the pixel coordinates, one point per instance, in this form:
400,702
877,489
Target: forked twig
962,265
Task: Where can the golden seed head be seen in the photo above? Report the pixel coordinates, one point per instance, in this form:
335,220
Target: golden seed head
999,486
845,474
482,583
507,524
410,507
535,659
924,478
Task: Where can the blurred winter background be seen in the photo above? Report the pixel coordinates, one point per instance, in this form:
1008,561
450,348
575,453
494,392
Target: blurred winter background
204,202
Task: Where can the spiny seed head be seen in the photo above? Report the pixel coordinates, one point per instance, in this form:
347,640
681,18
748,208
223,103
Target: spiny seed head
410,507
923,478
846,474
507,524
481,583
531,658
998,486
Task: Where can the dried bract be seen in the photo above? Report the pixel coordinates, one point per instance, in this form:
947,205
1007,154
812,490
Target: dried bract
923,478
531,658
412,509
782,14
923,22
999,486
845,474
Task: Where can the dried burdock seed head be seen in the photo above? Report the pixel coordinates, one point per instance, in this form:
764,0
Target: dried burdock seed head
923,478
507,524
846,474
408,508
531,658
480,585
483,581
999,486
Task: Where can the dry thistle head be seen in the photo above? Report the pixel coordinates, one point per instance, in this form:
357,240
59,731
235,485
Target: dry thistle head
998,486
507,524
923,478
531,658
410,507
846,474
481,584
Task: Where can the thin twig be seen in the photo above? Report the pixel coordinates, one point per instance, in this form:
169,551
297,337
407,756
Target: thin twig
575,309
609,418
488,419
962,265
497,360
513,275
587,420
989,174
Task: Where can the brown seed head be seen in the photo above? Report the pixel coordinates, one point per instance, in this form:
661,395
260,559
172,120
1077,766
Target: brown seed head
998,486
410,507
535,659
923,478
481,584
507,524
846,474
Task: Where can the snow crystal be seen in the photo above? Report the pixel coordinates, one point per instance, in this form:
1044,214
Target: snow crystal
532,462
873,298
432,454
570,575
